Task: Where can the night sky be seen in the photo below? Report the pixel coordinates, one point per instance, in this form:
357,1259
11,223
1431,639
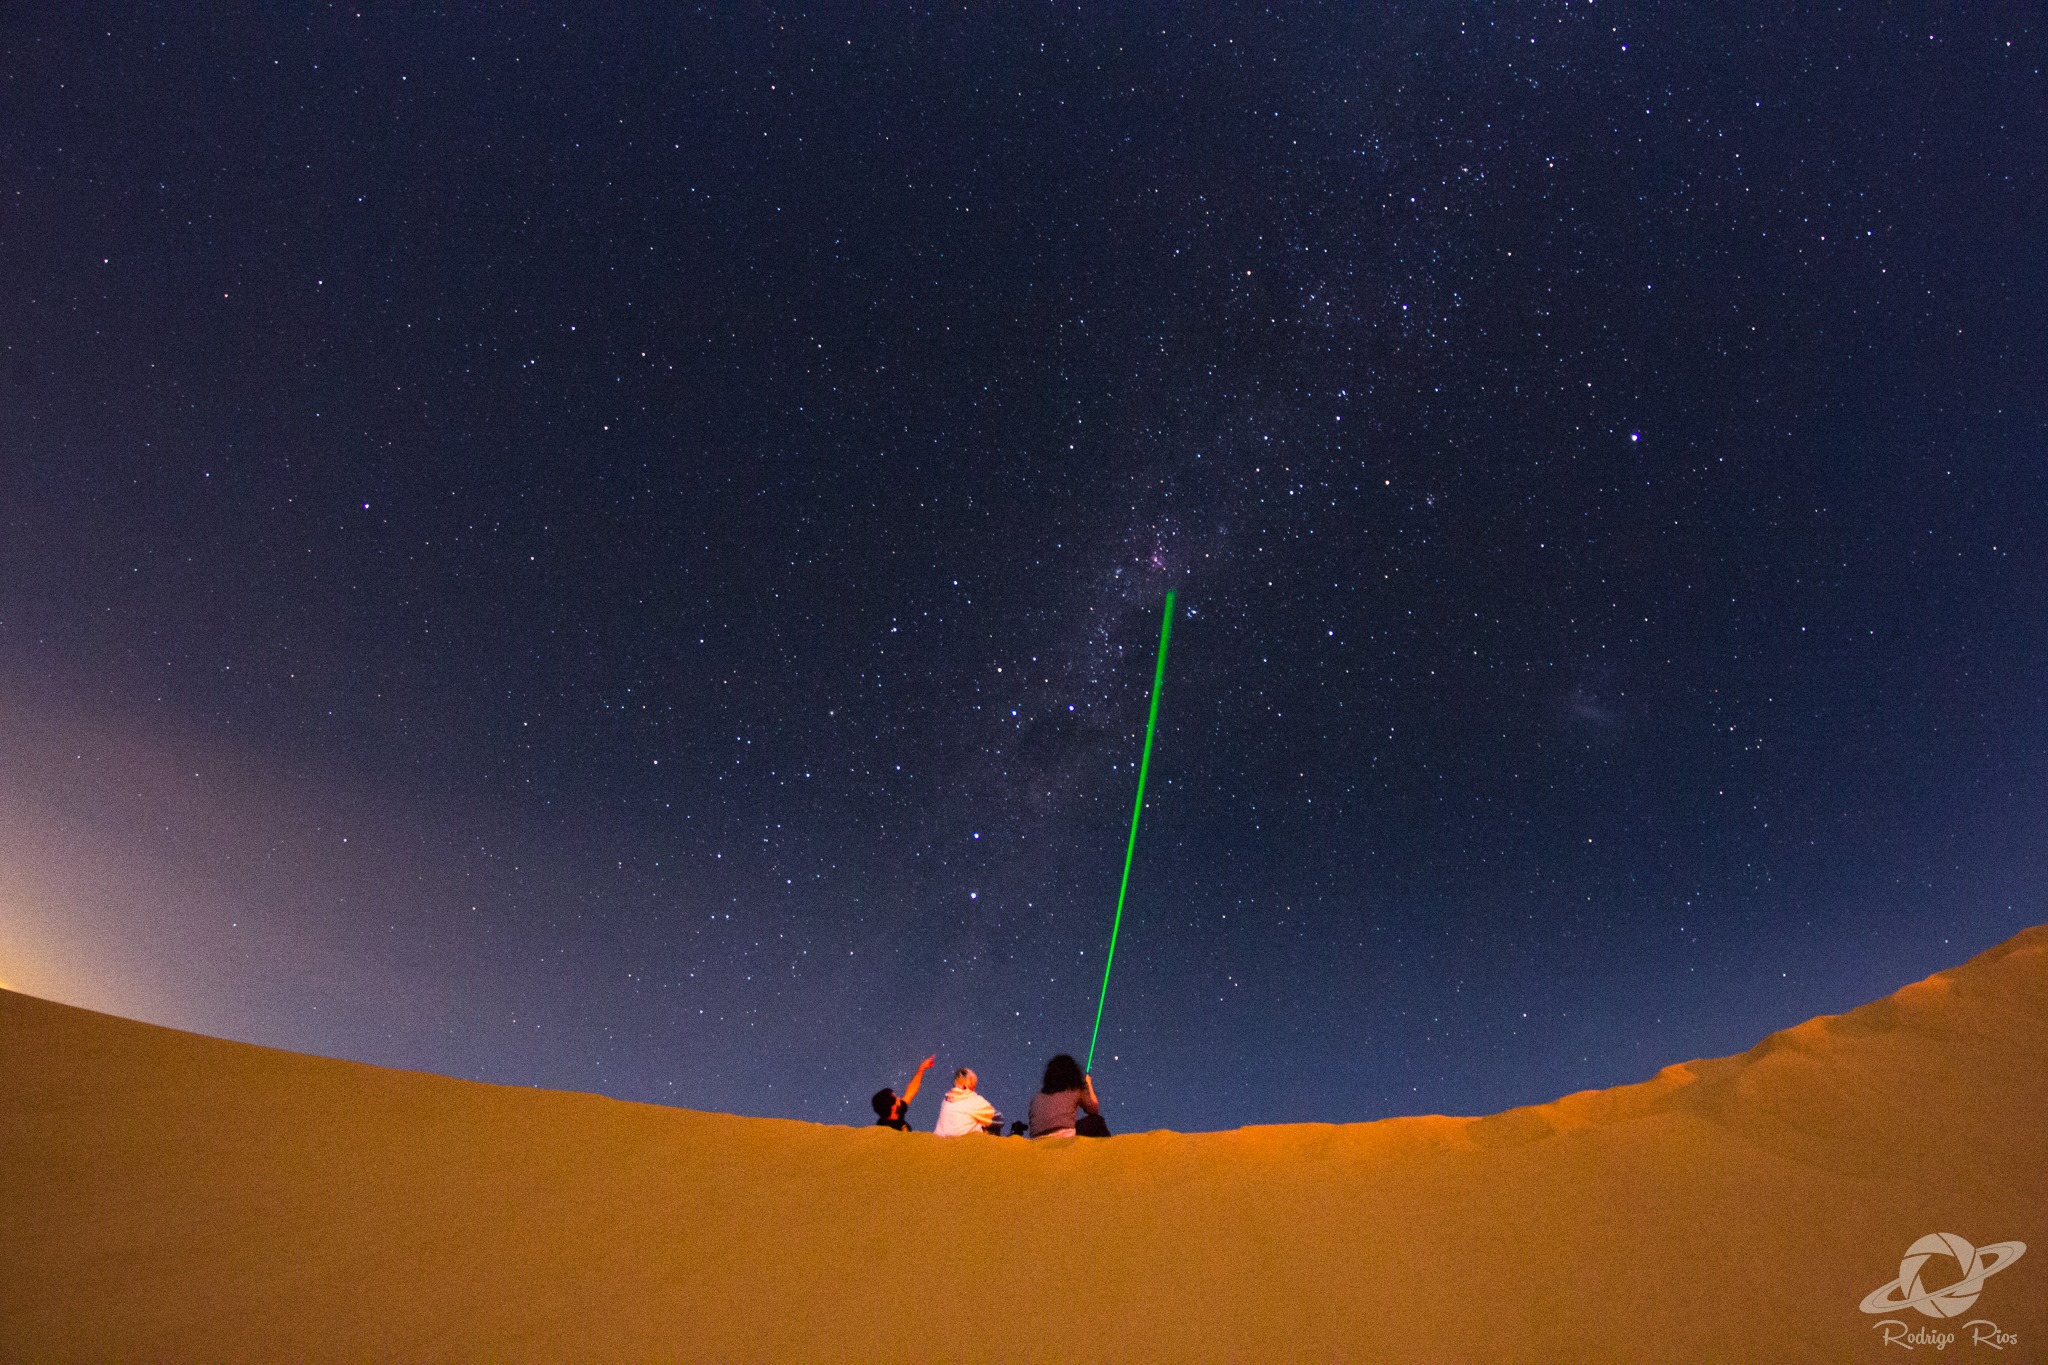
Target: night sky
625,554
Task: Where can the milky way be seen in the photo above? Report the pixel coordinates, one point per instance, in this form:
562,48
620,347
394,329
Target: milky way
625,554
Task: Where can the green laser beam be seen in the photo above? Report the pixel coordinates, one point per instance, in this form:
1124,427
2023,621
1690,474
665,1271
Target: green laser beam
1144,767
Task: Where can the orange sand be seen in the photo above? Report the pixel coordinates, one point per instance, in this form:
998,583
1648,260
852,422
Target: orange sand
165,1196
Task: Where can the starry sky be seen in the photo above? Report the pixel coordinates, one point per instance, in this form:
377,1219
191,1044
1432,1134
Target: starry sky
623,550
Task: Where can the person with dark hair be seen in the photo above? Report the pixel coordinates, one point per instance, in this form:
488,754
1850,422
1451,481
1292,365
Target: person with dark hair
1065,1105
891,1109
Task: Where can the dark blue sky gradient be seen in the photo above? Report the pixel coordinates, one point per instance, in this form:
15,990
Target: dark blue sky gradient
646,533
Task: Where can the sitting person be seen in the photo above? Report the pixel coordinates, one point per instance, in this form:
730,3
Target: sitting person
1065,1103
964,1110
891,1109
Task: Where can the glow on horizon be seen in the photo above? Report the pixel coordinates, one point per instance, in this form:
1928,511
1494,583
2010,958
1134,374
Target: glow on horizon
33,966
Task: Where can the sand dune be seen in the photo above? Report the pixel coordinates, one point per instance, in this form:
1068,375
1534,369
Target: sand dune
166,1196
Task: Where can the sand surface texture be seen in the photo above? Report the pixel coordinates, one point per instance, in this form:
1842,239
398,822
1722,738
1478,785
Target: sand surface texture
165,1196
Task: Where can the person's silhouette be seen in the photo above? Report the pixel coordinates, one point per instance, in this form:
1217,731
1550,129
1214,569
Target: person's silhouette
1065,1105
893,1110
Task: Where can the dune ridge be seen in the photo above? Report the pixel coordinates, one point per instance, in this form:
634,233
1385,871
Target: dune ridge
170,1196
